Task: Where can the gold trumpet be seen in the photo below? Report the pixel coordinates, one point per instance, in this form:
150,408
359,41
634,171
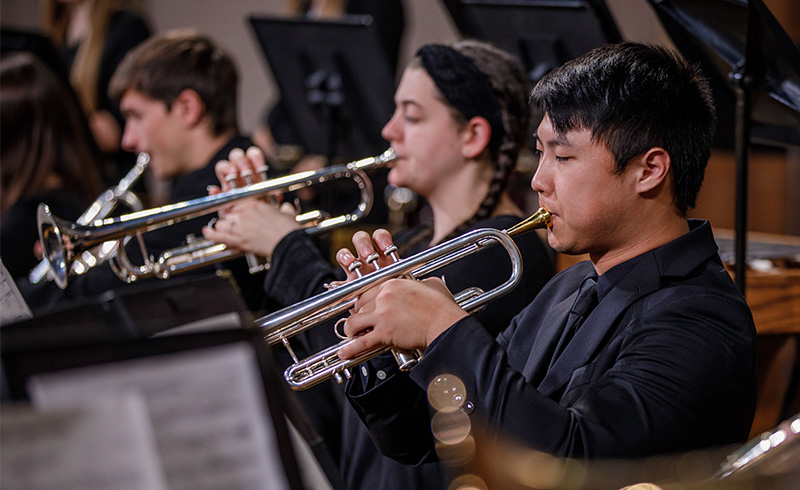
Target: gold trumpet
63,240
282,325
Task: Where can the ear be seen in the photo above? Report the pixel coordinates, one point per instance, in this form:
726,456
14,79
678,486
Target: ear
653,168
189,106
476,134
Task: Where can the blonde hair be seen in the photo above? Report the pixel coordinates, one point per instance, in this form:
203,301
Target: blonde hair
327,8
85,70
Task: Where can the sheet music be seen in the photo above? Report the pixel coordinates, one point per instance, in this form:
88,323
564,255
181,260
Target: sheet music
13,307
212,425
61,448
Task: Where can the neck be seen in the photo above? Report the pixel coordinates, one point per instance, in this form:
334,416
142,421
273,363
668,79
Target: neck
455,201
201,148
641,241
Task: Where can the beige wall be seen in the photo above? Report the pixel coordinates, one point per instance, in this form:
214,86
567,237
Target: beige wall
226,20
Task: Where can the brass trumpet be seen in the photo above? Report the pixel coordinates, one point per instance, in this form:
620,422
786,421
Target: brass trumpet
282,325
63,241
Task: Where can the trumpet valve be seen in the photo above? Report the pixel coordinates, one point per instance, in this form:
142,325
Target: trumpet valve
406,360
355,267
247,175
341,377
372,260
391,251
262,172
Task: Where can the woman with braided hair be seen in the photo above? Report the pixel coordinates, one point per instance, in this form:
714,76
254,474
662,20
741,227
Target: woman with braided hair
460,121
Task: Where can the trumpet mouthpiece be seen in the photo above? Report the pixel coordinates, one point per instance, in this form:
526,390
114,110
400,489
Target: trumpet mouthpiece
539,219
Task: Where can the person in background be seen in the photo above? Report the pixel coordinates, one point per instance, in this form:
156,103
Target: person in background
93,37
460,122
178,92
47,156
647,348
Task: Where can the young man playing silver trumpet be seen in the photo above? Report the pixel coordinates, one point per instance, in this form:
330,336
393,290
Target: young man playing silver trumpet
178,92
647,348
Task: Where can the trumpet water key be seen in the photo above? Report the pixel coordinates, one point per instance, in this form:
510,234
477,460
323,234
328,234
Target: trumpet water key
282,325
63,240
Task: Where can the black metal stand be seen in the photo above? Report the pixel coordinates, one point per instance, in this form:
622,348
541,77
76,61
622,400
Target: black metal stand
763,59
742,152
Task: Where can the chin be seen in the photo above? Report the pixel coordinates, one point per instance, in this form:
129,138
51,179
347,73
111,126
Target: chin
395,178
558,245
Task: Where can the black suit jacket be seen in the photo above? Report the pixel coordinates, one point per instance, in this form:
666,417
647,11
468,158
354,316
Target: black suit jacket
664,363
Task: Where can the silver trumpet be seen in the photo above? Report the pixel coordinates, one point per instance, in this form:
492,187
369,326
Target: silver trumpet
282,325
102,207
63,241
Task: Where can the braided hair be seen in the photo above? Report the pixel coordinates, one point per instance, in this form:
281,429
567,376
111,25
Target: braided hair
507,111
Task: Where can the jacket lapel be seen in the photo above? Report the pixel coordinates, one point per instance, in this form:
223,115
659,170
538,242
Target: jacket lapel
643,279
667,261
546,340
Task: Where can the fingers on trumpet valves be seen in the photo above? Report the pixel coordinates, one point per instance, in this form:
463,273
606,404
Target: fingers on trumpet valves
247,175
391,251
372,259
258,161
262,172
242,167
382,238
230,181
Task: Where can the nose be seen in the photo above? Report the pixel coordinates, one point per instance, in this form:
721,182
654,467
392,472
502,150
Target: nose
538,182
130,140
390,131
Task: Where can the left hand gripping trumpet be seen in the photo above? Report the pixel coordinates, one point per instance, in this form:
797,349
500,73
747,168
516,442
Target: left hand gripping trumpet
282,325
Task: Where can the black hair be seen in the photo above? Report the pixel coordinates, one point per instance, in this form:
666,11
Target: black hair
633,97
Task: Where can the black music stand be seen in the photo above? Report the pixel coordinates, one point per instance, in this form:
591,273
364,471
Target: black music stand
335,81
544,34
154,319
200,301
754,67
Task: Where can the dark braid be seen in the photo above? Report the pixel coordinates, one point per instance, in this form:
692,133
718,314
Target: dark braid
511,90
510,86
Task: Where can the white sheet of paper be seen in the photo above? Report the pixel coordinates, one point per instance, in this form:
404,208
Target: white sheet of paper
106,444
13,307
212,425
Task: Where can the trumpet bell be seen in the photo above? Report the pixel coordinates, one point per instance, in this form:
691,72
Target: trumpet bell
53,244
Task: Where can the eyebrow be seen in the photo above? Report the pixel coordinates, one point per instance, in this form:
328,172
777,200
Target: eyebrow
559,140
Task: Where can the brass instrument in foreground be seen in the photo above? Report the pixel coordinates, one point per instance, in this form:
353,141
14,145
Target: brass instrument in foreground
102,207
282,325
63,241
